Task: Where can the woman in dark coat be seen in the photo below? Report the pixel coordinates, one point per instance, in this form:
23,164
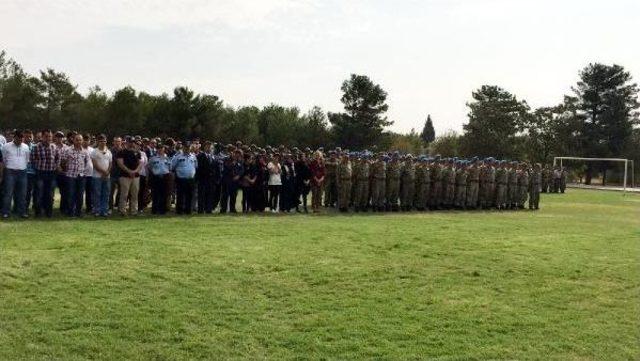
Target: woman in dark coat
303,181
288,199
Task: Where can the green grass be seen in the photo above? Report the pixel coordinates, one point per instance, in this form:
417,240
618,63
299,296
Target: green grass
559,284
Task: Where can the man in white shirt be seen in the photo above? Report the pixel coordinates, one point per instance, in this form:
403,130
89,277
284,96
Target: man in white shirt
102,161
3,141
15,157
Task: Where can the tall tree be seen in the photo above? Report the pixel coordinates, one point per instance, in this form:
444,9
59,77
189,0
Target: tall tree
607,100
495,119
124,113
20,96
428,134
365,105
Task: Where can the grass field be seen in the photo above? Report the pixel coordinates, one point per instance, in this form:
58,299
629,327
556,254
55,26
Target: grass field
559,284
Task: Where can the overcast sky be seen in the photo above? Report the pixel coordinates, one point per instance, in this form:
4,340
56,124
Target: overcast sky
427,54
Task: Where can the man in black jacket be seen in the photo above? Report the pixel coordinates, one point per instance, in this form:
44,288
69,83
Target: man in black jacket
207,175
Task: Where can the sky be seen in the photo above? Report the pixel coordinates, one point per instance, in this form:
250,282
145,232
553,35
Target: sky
429,55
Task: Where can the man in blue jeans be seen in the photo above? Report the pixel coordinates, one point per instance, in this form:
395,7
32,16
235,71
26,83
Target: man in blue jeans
15,157
102,160
74,161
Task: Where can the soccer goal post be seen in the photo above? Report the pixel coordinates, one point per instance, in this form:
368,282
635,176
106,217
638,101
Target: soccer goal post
626,162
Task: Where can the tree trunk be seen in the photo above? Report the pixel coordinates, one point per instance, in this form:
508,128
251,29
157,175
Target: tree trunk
589,174
604,177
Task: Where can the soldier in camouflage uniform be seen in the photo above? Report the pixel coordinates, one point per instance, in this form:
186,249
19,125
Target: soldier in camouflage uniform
448,184
361,202
378,183
512,185
523,185
545,179
436,184
408,179
355,159
344,176
427,183
501,185
492,182
419,199
393,182
330,180
473,179
460,198
534,187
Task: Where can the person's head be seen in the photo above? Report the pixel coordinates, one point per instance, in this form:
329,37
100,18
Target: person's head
27,136
102,141
162,149
237,155
206,146
18,137
152,144
70,137
86,140
117,142
317,155
46,136
77,141
59,138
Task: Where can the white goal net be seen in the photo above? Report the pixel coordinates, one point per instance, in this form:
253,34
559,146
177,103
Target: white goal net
627,164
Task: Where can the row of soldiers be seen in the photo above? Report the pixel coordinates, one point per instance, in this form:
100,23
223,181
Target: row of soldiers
403,182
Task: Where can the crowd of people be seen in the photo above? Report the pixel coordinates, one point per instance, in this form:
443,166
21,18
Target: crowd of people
132,175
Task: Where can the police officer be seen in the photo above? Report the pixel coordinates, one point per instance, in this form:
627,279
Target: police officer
160,166
184,164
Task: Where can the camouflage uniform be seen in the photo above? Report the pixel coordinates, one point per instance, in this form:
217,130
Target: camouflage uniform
501,187
460,200
408,184
344,176
426,186
330,180
449,185
393,184
436,186
512,187
361,201
545,179
378,184
473,180
523,188
534,188
419,200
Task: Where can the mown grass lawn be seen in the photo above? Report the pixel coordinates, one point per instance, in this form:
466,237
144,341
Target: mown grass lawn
559,284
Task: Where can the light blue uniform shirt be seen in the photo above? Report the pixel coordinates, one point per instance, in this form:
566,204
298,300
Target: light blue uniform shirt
160,165
184,165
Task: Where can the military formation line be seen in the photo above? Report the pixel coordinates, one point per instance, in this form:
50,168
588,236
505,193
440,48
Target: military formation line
134,175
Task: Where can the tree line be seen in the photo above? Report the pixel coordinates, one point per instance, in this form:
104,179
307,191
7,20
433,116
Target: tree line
598,118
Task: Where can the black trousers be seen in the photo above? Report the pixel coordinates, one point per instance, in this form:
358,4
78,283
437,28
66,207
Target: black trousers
206,189
32,193
184,195
61,182
228,197
274,195
45,192
159,194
